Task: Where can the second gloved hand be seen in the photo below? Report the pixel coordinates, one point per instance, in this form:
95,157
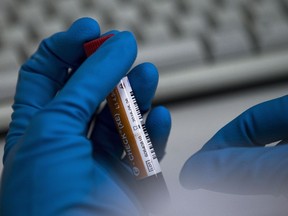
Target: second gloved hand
236,159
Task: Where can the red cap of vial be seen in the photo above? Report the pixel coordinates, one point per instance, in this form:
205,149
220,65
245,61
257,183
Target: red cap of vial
91,46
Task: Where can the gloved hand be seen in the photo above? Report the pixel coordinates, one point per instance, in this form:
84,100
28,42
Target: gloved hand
237,160
51,167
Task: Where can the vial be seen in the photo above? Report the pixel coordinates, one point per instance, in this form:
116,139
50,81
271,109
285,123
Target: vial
151,187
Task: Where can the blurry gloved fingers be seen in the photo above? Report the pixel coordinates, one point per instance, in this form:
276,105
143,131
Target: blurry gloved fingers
46,71
93,81
238,170
143,79
262,124
235,159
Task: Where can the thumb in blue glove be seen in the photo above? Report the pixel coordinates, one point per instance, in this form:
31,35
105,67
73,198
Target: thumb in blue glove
237,160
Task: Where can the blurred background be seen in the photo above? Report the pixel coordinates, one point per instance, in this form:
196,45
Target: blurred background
216,58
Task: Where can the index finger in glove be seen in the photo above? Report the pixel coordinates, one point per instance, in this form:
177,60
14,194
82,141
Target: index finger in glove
72,108
260,125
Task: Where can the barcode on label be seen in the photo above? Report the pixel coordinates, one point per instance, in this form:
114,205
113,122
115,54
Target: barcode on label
149,143
136,106
142,145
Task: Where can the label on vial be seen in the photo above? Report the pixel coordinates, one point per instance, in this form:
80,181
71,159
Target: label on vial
132,131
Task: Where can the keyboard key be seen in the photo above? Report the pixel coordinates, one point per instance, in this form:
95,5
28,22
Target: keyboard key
161,9
229,44
270,25
68,10
50,27
196,5
272,36
6,111
266,10
9,59
192,24
124,17
158,31
7,84
236,3
8,72
11,12
32,15
228,18
15,35
171,55
106,4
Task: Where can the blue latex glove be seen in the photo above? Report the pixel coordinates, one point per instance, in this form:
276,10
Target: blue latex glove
236,160
50,166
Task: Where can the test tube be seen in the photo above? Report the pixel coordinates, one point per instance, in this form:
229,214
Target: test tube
135,139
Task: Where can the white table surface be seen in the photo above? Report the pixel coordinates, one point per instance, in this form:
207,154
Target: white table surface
193,124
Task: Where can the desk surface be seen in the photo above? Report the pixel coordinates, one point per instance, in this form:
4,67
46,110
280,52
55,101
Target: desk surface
193,124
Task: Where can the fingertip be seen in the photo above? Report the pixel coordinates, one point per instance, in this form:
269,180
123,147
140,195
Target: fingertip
167,121
85,27
83,30
125,41
160,116
144,81
68,45
199,172
117,52
159,126
147,73
184,176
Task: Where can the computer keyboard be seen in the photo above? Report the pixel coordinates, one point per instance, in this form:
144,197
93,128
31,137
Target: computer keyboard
199,46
